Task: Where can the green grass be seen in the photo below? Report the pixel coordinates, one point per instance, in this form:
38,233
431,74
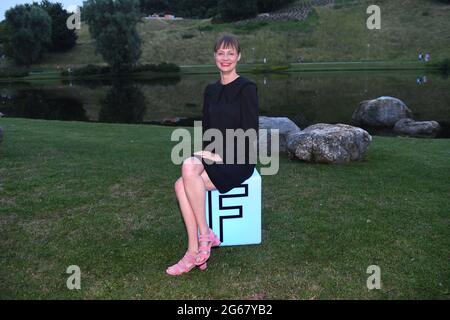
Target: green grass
101,196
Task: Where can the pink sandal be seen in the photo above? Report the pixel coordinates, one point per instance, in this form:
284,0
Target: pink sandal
204,251
186,264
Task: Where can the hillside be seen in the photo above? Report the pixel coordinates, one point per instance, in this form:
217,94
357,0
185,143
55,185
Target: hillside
335,32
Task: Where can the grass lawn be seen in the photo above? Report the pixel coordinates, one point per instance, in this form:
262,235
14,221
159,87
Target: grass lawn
101,196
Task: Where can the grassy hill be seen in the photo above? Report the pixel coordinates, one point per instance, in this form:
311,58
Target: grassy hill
331,33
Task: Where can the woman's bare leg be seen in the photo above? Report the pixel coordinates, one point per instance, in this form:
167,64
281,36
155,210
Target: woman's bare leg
196,182
187,212
188,216
195,188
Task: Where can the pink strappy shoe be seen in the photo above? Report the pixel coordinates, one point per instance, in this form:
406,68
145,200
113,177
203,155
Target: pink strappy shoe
204,251
186,264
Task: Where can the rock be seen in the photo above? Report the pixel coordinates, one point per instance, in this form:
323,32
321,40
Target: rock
329,143
420,129
283,124
380,112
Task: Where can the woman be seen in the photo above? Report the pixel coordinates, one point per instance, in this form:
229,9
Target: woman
229,103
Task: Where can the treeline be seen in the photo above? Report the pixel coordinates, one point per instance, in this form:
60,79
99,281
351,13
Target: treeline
222,10
29,30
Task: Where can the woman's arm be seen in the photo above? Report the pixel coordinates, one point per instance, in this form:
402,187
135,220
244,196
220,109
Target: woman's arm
205,126
205,116
250,107
250,120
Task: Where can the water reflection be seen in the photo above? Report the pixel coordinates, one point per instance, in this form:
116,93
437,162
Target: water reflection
41,104
124,103
304,97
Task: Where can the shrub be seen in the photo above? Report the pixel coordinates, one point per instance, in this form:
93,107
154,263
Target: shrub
188,36
13,72
91,69
88,70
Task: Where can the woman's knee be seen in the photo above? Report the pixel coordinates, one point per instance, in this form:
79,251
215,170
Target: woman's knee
191,167
179,185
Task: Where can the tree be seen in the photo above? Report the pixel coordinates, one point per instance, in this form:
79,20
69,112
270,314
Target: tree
29,32
62,37
3,36
149,7
184,8
194,8
232,10
270,5
112,23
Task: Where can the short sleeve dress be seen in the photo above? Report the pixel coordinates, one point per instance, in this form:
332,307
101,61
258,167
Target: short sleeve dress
230,106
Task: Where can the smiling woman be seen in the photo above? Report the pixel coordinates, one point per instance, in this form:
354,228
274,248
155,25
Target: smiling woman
229,103
227,52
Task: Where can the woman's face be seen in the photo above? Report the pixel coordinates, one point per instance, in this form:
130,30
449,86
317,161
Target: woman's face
226,59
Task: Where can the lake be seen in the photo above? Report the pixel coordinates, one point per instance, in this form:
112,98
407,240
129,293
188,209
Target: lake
306,98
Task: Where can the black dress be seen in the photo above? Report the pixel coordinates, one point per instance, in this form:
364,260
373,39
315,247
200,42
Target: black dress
231,106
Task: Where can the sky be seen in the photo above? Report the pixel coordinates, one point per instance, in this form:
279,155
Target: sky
69,5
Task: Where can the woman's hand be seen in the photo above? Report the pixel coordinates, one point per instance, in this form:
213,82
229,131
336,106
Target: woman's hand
209,155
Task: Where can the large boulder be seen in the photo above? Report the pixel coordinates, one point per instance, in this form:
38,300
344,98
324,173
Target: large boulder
285,126
420,129
329,143
380,112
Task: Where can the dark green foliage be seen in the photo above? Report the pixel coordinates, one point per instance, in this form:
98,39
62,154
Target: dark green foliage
149,7
228,9
442,67
29,32
62,38
188,36
3,32
195,8
113,26
270,5
91,69
232,10
88,70
183,8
